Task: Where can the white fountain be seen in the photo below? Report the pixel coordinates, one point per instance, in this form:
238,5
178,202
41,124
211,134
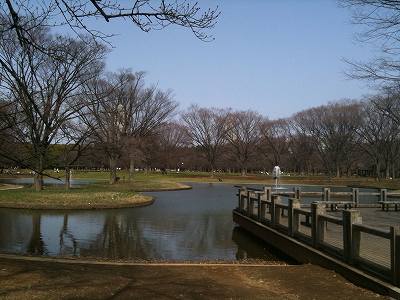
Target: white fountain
276,174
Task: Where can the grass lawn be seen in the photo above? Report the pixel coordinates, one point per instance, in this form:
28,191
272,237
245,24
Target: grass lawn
125,194
97,195
143,178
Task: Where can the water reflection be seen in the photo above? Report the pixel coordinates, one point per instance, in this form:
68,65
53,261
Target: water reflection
46,181
183,225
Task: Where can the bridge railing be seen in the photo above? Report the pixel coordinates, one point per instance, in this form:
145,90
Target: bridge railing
342,199
375,250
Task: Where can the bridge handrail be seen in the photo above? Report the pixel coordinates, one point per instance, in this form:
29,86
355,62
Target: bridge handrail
302,211
317,218
331,219
372,230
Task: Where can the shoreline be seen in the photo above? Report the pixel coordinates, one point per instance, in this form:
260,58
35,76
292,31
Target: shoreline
142,200
125,197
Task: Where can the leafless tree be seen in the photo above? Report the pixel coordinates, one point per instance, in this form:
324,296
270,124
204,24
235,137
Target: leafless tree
207,129
243,135
121,108
274,142
74,139
78,15
387,102
171,137
380,20
301,151
332,129
379,133
44,92
111,105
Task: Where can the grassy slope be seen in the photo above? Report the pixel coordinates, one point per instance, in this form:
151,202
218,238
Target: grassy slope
98,195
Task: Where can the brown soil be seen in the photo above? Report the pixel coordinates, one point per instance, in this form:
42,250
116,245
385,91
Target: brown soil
24,279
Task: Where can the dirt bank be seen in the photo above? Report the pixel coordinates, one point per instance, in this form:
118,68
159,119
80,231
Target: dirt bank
50,280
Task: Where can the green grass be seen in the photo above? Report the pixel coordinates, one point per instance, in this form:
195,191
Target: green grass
152,180
97,195
264,179
101,194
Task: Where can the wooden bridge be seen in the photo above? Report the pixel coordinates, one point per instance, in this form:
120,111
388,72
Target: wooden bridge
310,233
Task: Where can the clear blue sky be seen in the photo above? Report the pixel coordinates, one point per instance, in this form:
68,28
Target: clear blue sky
275,57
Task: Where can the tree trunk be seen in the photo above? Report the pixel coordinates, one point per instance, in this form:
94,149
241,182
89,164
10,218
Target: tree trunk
378,170
244,172
113,170
131,168
38,177
393,171
337,171
67,178
212,172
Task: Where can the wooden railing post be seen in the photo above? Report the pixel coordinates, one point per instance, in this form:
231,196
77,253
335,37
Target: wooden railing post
297,193
239,199
275,211
268,193
395,254
249,205
351,239
317,227
243,192
326,196
259,211
383,195
263,209
355,196
293,219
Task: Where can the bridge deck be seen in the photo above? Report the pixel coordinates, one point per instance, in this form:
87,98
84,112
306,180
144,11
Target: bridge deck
372,248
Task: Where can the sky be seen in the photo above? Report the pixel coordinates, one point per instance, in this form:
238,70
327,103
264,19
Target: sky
274,57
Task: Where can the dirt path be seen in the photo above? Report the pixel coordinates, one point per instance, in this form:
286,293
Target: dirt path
6,186
49,280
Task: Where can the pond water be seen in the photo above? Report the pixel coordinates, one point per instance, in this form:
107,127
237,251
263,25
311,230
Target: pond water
189,225
46,181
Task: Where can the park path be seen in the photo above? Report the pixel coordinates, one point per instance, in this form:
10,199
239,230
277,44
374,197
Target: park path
6,186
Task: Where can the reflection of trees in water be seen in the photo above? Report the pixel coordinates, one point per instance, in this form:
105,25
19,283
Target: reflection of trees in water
120,238
36,244
125,236
146,234
65,236
15,230
206,234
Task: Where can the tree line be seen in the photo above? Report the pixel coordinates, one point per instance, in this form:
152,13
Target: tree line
132,126
338,139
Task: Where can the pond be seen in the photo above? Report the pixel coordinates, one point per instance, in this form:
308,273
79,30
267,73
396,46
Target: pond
189,225
47,181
